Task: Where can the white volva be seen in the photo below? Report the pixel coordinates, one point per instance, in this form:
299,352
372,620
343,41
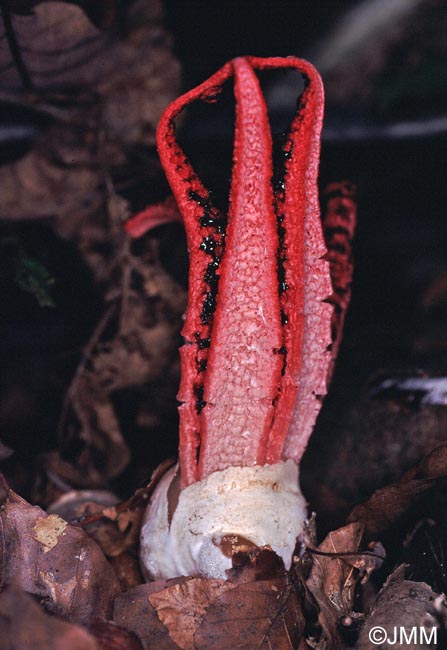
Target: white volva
262,504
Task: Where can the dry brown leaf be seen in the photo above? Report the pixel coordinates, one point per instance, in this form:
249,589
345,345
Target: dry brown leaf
62,50
25,625
134,612
99,429
342,571
182,606
77,505
116,527
334,576
116,532
110,636
127,568
387,506
333,579
261,615
56,42
173,614
60,564
91,82
432,466
103,14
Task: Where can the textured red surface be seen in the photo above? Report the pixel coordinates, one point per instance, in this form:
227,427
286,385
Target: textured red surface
243,369
339,215
154,215
256,357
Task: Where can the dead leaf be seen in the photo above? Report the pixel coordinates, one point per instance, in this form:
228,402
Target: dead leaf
134,612
25,625
60,564
127,568
261,615
335,576
182,606
62,52
432,466
386,507
94,419
110,636
56,42
115,532
91,83
173,614
104,14
116,527
333,579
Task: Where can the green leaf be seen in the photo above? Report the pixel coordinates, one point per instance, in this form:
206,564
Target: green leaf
33,277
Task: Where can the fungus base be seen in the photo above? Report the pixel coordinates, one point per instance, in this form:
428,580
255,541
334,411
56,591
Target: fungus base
261,504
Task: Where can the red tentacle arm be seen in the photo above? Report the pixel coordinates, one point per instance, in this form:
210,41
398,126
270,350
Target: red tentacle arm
204,231
158,214
244,367
339,212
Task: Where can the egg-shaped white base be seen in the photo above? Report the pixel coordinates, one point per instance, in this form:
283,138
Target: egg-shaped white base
262,504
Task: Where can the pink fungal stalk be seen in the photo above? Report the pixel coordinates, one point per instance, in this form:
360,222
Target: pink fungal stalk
257,337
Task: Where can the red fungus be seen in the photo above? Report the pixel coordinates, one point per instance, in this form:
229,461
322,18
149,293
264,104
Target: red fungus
158,214
257,333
